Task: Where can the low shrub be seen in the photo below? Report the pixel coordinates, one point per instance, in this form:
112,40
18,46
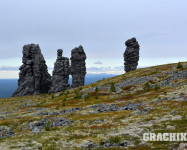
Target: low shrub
114,139
63,104
87,97
77,96
147,86
96,89
96,96
112,87
157,87
179,65
47,127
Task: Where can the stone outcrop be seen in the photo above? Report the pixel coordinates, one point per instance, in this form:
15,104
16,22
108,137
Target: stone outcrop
33,77
78,66
60,74
131,55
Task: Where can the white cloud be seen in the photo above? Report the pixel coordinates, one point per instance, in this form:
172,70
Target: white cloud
108,70
8,68
98,63
9,74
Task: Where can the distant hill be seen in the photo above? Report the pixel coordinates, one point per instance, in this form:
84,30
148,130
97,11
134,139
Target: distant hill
8,86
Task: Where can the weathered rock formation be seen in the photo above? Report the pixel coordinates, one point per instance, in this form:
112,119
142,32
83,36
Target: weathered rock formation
131,55
78,66
60,74
33,77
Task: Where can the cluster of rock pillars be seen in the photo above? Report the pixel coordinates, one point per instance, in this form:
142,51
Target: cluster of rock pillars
35,79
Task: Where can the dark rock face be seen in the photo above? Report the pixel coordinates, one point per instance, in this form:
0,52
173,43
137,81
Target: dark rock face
33,77
131,55
78,66
60,74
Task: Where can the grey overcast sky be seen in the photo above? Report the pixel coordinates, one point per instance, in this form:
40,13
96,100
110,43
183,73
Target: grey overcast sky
101,26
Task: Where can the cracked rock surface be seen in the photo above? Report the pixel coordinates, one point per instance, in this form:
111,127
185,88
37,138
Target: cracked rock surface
60,74
33,76
78,66
131,55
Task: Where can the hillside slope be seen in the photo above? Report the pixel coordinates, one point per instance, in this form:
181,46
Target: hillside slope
112,113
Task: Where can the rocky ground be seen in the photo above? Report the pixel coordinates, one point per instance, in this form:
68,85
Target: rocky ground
112,113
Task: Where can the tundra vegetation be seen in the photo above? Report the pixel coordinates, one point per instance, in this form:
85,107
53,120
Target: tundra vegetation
111,114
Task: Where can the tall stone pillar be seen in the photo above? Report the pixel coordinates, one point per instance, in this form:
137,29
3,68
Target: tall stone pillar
78,66
60,74
131,55
33,76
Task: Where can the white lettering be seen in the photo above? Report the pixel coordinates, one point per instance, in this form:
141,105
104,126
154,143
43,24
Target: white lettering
146,136
172,136
152,137
165,137
178,136
183,137
159,137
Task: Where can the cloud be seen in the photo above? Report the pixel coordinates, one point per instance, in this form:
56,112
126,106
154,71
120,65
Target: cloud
102,34
8,68
107,70
89,69
50,68
98,63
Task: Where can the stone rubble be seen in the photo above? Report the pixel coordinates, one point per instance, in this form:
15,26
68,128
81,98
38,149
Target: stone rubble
54,122
4,132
